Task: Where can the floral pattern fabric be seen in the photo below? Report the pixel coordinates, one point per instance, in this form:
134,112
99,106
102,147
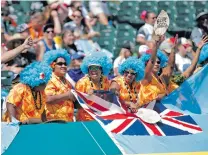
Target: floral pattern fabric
63,110
21,96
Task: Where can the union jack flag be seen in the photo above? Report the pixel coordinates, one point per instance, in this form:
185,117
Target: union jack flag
113,116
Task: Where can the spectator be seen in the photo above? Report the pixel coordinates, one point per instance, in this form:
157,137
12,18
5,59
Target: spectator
37,20
201,29
47,43
18,61
76,24
182,61
99,9
179,79
58,90
26,101
127,86
9,55
23,29
146,31
75,73
124,54
68,41
79,27
96,67
155,86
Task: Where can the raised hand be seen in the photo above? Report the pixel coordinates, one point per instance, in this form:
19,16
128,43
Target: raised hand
203,41
133,107
90,92
176,41
28,43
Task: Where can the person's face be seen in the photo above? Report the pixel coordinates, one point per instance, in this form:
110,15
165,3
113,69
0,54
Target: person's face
49,33
25,34
151,19
78,62
37,19
95,72
129,76
60,67
204,19
156,67
68,38
126,52
77,17
92,20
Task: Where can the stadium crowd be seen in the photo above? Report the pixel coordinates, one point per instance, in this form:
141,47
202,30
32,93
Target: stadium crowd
58,49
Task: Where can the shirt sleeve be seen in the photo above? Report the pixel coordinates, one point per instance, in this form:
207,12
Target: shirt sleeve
80,86
50,89
141,33
196,36
16,94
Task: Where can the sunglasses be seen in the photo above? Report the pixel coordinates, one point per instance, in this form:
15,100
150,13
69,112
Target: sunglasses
158,61
94,68
49,31
61,63
77,16
131,73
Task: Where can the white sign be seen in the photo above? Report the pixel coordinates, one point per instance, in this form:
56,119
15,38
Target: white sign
162,23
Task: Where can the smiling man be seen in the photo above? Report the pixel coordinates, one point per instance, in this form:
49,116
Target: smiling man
96,67
58,90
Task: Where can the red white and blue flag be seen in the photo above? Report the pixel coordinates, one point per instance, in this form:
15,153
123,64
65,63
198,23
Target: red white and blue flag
113,116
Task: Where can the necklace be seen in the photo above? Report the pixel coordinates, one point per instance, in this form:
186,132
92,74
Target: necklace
62,82
129,91
35,97
101,82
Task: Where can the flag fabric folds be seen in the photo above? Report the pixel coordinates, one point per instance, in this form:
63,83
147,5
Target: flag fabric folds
114,117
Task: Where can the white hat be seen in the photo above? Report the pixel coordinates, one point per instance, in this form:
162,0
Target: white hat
143,49
165,46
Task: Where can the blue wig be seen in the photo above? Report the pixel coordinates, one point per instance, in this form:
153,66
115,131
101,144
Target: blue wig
97,58
35,74
161,56
52,55
135,64
204,54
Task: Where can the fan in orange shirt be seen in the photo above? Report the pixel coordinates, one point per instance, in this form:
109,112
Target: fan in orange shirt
26,101
127,86
96,66
155,86
58,90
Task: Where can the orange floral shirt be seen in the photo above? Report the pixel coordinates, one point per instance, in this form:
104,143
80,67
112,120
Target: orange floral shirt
84,85
63,110
151,91
21,96
124,93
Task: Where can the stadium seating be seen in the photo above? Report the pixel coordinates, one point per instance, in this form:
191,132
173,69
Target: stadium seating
6,78
200,6
149,6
